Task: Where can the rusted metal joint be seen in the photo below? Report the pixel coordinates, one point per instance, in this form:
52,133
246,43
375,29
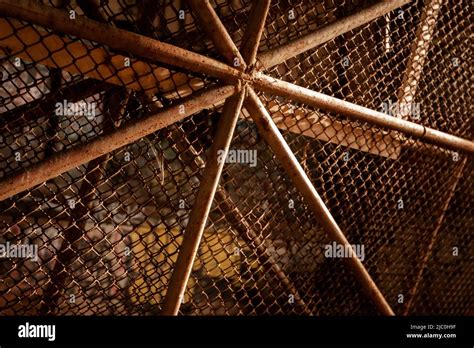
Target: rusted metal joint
259,65
248,79
252,69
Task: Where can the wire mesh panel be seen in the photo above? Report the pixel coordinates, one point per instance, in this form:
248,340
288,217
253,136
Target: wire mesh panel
104,237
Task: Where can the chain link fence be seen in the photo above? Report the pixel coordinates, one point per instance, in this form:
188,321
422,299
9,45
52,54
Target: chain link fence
103,238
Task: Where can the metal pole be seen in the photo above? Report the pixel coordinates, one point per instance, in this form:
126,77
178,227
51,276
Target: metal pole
66,160
293,48
452,189
212,25
119,39
79,58
282,151
197,220
207,19
314,124
353,111
254,30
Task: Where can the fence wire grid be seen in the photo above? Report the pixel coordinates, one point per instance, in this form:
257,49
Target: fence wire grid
106,235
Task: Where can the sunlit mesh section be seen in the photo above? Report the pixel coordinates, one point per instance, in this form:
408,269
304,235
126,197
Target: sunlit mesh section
108,232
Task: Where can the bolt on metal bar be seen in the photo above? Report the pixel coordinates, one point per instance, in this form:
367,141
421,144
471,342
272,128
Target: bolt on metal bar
282,151
202,205
309,41
306,96
66,160
116,38
457,175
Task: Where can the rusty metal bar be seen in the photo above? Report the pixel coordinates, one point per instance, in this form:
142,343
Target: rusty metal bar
80,58
293,48
119,39
66,160
207,18
314,124
254,30
197,220
273,137
211,23
306,96
457,175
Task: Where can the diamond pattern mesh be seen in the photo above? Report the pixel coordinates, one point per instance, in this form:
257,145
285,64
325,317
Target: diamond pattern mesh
108,232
